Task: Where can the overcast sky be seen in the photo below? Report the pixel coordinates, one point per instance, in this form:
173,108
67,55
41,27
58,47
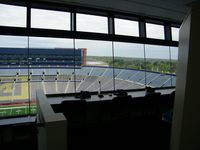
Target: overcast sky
16,16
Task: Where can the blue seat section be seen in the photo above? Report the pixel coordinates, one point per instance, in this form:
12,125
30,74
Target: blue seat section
160,81
108,73
126,74
51,71
37,71
8,72
173,80
168,83
137,77
150,76
117,71
66,71
97,71
23,71
83,71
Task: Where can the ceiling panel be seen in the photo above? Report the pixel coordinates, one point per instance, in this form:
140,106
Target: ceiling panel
173,10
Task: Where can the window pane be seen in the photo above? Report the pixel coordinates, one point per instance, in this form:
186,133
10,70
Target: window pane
14,88
129,65
126,27
175,34
49,19
97,71
174,61
174,58
157,65
92,23
155,31
12,15
51,64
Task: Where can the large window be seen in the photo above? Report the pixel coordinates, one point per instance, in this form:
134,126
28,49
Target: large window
126,27
157,65
175,33
92,23
63,61
155,31
129,65
97,72
49,19
14,87
174,59
12,15
51,65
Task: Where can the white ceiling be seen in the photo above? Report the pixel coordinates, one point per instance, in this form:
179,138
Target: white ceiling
173,10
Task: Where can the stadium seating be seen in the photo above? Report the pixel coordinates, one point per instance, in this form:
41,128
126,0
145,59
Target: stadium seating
137,77
87,78
108,73
126,74
150,77
97,71
160,81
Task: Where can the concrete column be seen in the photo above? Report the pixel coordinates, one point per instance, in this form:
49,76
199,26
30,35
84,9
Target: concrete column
185,133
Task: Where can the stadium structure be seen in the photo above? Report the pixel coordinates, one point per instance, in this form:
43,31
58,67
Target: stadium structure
159,119
42,57
58,71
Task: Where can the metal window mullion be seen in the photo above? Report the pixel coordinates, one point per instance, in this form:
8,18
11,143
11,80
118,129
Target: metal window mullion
167,32
111,25
73,20
142,28
28,27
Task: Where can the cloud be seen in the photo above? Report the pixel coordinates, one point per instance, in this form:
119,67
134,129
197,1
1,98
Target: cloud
155,31
126,27
91,23
49,19
12,15
175,34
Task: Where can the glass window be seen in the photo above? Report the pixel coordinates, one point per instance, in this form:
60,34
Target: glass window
174,59
126,27
175,34
96,73
51,65
12,15
129,65
49,19
157,65
14,88
155,31
92,23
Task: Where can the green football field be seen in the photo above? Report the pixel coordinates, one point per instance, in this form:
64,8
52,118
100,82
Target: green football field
14,93
17,111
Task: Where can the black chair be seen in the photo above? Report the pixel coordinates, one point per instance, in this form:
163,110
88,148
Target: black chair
145,121
75,113
121,108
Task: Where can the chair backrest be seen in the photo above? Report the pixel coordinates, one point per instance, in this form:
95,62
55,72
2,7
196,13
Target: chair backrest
74,111
146,108
152,97
121,102
121,108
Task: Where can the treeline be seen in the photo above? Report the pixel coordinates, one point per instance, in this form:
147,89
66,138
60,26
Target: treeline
157,65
